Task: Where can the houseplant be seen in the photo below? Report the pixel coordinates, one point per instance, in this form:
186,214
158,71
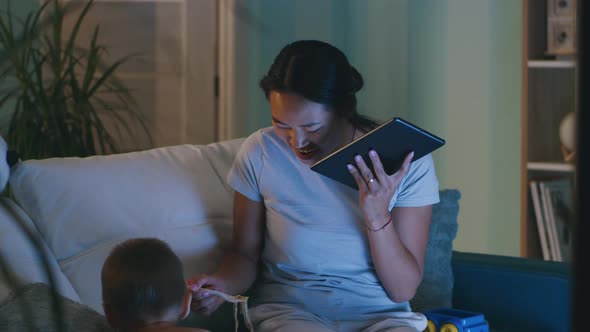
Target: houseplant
62,94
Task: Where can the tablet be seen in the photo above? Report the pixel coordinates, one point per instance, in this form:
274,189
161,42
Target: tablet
392,140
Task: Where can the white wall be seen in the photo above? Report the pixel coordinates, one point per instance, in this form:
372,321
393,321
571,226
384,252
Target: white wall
465,81
372,33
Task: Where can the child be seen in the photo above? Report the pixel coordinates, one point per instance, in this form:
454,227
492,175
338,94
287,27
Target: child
143,287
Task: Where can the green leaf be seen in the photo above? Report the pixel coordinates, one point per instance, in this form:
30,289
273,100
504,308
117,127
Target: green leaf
72,40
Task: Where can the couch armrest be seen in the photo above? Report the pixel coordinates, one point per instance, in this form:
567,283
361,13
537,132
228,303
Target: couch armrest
514,294
21,257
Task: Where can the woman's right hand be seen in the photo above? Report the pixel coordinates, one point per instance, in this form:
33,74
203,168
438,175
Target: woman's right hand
204,302
237,271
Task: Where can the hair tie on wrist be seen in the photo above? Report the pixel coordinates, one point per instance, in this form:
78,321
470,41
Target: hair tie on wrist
380,228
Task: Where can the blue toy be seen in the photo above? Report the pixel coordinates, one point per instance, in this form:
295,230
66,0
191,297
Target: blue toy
455,320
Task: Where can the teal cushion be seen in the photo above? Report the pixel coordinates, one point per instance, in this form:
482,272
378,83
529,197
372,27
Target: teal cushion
436,289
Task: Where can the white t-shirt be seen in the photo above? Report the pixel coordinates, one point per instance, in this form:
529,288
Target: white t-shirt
316,251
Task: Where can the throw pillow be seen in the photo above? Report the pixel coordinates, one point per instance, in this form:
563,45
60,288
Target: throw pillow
436,289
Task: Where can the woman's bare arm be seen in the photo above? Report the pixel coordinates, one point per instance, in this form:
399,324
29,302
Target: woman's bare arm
240,264
398,251
398,238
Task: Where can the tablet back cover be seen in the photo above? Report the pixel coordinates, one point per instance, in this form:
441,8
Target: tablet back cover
392,140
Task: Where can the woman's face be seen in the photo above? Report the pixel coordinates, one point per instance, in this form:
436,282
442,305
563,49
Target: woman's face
309,128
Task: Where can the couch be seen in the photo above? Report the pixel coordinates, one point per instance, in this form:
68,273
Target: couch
77,209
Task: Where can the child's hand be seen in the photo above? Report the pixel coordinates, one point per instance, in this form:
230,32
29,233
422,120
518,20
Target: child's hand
203,301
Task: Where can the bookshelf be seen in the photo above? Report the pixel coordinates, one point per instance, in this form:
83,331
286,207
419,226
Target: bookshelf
550,167
551,64
549,88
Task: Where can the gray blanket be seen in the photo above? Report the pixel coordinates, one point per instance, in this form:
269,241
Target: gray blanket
30,309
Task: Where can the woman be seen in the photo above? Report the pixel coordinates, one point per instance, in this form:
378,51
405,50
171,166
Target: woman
325,257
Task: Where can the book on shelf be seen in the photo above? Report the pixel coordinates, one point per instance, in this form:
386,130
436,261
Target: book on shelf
540,220
554,213
549,223
561,207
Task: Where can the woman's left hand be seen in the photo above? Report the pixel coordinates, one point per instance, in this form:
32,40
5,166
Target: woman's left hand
376,189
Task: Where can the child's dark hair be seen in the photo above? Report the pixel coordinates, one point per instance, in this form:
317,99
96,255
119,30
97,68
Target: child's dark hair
142,279
321,73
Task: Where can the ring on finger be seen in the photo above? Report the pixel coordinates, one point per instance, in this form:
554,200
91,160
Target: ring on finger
371,180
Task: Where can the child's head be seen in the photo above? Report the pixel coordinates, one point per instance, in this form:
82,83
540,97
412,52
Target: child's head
143,283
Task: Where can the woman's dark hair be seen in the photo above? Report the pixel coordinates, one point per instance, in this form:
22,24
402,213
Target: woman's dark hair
321,73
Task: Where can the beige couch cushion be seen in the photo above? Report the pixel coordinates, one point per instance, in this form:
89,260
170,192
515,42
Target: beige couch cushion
84,206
